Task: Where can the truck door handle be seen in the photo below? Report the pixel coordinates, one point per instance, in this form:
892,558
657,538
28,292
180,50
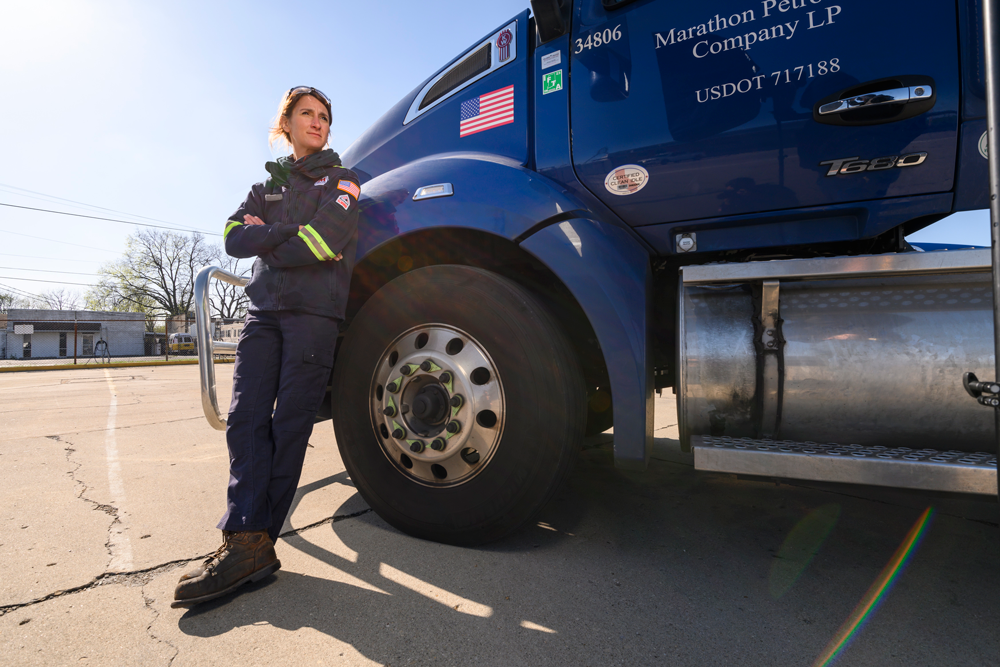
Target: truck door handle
892,96
875,102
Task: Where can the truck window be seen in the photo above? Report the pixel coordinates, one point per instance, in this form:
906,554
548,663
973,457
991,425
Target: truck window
473,65
494,52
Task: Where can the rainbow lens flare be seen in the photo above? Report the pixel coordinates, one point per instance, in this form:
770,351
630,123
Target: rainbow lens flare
877,592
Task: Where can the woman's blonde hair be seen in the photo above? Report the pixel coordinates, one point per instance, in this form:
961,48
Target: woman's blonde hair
277,134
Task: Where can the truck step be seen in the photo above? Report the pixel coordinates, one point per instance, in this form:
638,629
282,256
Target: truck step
901,467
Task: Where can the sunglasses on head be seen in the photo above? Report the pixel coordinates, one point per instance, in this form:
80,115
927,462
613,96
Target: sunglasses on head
309,90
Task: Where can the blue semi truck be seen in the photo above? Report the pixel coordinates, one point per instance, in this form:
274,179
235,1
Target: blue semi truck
602,199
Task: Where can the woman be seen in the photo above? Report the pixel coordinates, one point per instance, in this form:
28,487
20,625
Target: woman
301,225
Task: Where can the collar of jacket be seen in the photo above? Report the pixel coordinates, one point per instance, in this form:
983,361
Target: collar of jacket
310,167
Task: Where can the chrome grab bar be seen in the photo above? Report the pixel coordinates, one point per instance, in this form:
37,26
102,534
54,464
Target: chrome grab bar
207,348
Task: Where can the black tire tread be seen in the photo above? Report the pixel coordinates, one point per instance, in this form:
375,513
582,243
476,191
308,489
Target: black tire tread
402,298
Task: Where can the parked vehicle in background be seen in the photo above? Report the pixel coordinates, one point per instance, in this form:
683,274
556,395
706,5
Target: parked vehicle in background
182,343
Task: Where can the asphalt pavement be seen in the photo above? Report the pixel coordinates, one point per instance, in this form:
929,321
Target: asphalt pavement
111,483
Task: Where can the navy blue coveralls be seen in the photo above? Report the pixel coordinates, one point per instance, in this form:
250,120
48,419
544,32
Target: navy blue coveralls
298,295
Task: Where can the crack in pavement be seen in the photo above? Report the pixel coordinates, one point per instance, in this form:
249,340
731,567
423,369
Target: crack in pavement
333,519
148,603
110,510
144,576
135,578
57,408
119,428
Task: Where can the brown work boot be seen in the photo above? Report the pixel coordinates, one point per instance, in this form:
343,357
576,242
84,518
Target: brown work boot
244,556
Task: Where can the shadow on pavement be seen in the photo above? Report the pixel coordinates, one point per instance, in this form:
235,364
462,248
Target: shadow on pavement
669,566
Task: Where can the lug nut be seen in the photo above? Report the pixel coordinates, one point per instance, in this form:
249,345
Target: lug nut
416,446
429,366
456,401
393,386
398,433
407,369
438,444
453,427
389,411
445,377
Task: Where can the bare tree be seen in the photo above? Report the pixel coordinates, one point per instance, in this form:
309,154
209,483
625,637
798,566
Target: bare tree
157,272
228,301
9,301
58,299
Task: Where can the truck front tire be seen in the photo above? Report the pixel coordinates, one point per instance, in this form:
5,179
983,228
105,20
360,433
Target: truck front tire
458,404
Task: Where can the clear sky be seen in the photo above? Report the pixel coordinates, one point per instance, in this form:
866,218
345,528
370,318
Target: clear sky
161,109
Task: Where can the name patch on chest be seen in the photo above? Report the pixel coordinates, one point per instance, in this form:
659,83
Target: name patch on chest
344,201
276,197
322,181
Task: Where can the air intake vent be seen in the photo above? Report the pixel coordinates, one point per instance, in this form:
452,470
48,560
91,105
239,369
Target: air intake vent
474,65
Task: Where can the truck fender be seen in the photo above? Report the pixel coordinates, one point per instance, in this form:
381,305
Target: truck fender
605,268
490,193
609,274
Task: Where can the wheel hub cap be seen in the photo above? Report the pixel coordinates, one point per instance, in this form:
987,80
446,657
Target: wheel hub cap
429,408
437,405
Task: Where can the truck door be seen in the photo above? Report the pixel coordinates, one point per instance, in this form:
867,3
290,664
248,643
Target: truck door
692,110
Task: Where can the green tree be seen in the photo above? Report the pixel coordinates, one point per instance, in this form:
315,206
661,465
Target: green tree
104,298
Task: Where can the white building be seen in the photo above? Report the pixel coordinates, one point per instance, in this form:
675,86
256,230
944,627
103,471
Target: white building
229,332
53,334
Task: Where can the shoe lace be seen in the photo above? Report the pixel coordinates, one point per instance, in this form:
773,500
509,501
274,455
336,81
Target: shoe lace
213,559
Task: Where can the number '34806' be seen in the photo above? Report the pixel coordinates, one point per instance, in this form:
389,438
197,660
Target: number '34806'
599,38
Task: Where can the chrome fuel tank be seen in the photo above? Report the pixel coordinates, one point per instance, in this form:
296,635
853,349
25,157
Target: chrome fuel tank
864,350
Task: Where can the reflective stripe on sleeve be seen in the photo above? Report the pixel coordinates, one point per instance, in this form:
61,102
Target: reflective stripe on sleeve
316,244
232,224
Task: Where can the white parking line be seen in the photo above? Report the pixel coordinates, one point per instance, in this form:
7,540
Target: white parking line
118,542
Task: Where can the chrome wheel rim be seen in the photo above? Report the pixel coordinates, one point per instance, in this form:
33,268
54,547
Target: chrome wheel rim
429,435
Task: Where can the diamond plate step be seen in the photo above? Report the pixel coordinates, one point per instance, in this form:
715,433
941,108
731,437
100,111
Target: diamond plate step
930,469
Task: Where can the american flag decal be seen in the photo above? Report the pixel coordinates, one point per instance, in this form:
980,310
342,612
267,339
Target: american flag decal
487,111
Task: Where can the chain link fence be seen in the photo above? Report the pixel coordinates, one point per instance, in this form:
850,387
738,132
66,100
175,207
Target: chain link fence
42,338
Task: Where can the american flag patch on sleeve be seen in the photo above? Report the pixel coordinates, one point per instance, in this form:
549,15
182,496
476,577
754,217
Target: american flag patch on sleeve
349,188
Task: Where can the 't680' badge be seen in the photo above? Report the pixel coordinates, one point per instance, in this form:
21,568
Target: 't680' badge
853,165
